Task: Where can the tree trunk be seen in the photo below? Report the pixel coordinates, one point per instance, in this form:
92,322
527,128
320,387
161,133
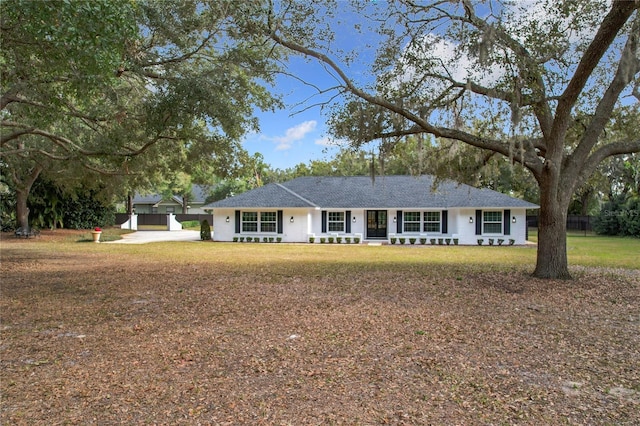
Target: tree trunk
22,210
23,188
129,204
584,199
552,238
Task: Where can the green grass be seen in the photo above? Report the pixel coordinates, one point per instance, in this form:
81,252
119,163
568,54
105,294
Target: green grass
108,234
600,250
597,251
589,251
620,252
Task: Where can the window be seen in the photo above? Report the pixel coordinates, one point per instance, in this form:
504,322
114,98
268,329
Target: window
259,222
171,209
268,222
492,222
335,222
249,221
431,221
411,221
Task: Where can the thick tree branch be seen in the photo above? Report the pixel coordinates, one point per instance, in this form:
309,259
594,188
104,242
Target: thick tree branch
69,146
34,151
620,12
628,68
609,150
7,98
15,135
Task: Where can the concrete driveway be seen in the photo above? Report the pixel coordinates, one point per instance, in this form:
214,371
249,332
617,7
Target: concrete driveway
143,237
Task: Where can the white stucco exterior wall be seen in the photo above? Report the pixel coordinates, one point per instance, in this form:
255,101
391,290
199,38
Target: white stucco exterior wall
307,222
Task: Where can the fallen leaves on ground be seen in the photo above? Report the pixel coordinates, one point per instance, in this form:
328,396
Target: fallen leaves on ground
122,339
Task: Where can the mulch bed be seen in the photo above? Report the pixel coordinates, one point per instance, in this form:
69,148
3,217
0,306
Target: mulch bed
90,339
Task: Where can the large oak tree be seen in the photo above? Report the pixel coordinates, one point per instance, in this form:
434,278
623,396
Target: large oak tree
549,74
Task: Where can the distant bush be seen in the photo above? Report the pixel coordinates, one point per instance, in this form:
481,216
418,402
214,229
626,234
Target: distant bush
619,216
51,207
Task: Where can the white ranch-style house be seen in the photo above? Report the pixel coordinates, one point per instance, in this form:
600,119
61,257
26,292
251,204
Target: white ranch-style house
380,209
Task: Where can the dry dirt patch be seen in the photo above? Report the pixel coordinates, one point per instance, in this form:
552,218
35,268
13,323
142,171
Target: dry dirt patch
90,339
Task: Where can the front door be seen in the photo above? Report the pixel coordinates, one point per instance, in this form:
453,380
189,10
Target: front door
376,224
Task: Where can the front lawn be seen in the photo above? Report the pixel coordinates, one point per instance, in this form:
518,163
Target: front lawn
212,333
599,250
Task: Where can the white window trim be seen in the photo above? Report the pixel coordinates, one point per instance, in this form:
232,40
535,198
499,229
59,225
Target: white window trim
484,222
405,222
439,222
274,222
243,221
329,221
258,222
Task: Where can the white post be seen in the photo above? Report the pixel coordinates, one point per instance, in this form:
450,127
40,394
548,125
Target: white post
131,224
172,223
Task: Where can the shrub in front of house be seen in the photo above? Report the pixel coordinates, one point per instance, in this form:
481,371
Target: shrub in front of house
312,240
347,240
393,240
480,241
205,230
356,240
423,241
402,240
412,240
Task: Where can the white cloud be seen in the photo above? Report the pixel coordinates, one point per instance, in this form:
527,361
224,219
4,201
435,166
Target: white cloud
293,134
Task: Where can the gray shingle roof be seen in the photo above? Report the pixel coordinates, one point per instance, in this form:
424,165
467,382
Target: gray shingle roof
363,192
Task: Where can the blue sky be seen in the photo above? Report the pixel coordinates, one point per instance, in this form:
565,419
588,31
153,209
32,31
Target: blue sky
298,133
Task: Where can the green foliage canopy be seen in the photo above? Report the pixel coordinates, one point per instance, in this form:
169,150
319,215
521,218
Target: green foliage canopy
135,88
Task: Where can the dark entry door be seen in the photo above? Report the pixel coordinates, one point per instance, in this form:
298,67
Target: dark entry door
376,224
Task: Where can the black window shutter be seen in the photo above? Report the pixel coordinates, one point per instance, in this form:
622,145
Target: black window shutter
324,221
399,227
478,222
237,221
445,221
506,222
347,221
279,221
